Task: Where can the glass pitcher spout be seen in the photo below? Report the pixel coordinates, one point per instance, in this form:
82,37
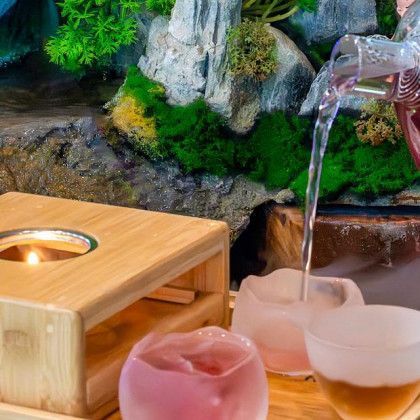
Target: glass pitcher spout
388,69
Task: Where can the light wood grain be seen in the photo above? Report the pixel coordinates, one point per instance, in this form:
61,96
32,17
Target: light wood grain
46,309
138,252
14,412
173,294
108,345
41,354
300,399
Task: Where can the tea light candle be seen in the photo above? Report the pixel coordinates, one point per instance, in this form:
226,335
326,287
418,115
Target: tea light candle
33,258
34,246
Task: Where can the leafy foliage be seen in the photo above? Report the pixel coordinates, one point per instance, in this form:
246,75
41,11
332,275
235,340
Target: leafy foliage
269,11
92,32
162,7
378,123
387,16
252,50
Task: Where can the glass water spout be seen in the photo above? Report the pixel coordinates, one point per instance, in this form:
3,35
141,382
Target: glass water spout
388,69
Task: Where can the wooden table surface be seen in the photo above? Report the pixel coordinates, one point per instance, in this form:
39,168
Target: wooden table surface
297,398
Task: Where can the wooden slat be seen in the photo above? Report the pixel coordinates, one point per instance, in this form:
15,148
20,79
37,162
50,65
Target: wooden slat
13,412
173,294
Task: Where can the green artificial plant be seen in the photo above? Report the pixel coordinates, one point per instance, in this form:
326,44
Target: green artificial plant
161,7
270,11
252,50
92,31
276,152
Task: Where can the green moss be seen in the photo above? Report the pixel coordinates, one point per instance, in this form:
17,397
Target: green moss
252,50
360,168
387,16
162,7
192,134
276,152
308,5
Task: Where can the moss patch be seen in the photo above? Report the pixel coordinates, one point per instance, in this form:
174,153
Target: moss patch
387,16
276,152
360,168
252,50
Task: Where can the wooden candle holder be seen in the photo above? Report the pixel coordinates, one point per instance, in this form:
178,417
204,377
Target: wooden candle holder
67,326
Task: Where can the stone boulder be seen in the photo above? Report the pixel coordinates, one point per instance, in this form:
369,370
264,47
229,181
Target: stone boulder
188,55
287,88
335,18
349,104
85,148
161,186
128,55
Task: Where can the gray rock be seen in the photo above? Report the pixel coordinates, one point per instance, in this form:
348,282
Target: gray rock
85,149
179,67
163,187
287,89
128,55
335,18
350,104
188,55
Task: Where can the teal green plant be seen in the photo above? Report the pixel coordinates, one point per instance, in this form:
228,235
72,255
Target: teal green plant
387,16
252,50
270,11
161,7
92,31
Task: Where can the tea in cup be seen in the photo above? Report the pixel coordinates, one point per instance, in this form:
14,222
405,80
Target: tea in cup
366,359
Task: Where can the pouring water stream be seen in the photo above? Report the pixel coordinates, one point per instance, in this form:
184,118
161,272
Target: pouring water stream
373,67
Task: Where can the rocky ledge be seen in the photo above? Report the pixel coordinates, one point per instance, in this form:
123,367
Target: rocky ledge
157,186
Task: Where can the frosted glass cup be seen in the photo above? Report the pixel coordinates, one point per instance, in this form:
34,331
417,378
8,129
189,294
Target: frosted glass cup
367,359
268,311
209,374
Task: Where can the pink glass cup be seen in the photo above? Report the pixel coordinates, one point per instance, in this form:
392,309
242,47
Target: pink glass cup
268,311
208,374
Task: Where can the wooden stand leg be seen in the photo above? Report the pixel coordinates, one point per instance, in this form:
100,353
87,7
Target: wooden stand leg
42,358
213,276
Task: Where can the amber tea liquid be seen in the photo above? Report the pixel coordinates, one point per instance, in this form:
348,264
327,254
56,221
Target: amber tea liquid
360,402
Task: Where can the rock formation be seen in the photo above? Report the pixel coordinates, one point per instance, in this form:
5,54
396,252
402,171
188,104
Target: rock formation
349,103
335,18
188,55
